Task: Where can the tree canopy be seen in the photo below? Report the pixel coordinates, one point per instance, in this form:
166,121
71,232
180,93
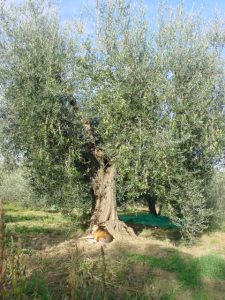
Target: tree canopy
126,109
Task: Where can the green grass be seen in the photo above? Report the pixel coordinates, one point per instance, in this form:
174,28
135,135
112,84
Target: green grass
22,220
189,271
128,276
27,224
37,285
223,227
212,266
34,230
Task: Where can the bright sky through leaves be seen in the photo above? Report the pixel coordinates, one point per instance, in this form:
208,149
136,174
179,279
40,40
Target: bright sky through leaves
69,8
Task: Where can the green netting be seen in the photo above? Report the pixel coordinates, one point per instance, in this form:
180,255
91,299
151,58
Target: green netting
148,219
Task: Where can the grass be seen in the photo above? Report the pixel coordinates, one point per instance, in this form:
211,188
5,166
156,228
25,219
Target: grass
165,274
34,230
189,271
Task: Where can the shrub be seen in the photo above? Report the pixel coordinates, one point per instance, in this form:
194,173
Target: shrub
15,186
192,211
216,193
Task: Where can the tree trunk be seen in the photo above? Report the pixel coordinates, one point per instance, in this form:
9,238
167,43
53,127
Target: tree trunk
151,201
104,187
103,184
105,212
105,193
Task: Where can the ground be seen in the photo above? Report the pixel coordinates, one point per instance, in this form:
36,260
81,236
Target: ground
155,265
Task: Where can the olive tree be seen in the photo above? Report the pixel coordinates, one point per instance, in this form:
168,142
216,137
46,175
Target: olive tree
191,53
125,110
67,100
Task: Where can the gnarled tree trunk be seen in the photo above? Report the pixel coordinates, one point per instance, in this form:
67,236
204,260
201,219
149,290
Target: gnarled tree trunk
105,193
105,212
103,184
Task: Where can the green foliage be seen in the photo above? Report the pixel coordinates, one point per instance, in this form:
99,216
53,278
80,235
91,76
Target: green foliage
216,191
153,101
39,121
15,186
190,211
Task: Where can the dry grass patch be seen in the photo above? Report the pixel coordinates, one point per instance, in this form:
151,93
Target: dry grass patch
63,265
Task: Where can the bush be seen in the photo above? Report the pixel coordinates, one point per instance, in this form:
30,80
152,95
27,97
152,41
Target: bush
192,210
15,186
217,197
71,199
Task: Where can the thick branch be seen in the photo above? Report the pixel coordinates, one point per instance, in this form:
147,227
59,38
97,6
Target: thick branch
96,152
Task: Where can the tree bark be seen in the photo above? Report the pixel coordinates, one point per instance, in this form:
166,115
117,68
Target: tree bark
105,212
104,187
105,192
151,200
154,207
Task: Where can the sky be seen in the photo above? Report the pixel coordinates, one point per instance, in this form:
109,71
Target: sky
69,8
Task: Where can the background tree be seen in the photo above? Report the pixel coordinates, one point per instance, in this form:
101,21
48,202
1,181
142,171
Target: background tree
194,97
188,120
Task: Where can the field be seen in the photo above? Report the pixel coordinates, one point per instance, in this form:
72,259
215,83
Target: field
44,259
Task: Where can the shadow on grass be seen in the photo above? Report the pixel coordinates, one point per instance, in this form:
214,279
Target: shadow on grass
161,234
148,225
132,270
35,237
189,271
22,229
135,276
21,218
132,266
168,269
186,270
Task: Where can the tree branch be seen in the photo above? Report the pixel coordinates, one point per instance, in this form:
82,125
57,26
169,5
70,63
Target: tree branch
97,153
